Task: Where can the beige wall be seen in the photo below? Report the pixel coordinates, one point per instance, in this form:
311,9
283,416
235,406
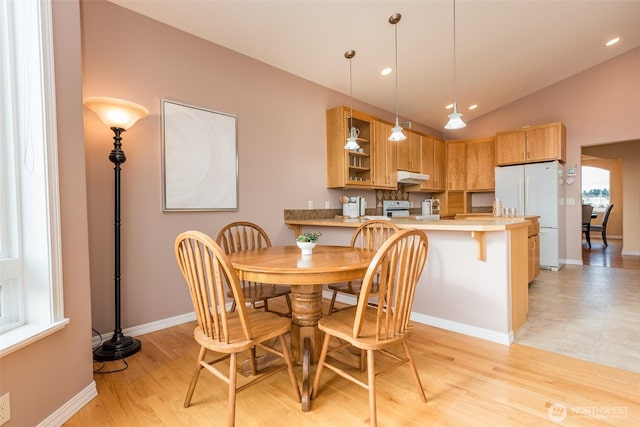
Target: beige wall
598,106
281,142
45,375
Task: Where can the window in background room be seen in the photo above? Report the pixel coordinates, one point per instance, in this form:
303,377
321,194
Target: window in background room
30,255
596,189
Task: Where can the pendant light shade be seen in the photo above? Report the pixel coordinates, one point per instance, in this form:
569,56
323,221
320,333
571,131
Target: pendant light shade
352,143
396,132
455,118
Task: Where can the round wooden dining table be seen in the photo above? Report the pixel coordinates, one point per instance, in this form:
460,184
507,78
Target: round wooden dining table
306,274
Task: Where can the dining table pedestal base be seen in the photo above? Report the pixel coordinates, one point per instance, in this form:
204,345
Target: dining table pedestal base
306,338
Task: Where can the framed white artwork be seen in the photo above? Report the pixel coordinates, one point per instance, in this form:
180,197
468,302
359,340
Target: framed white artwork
199,159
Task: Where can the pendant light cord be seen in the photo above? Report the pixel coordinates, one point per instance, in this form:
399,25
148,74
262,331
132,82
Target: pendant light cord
395,27
455,74
349,55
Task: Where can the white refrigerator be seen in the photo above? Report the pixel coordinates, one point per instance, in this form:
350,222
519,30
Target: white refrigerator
538,189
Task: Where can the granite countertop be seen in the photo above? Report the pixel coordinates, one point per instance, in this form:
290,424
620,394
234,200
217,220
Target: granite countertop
498,224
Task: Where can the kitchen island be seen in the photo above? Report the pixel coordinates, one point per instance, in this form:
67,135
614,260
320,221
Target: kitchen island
475,279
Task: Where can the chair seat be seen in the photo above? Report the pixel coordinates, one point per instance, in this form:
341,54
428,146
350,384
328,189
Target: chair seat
264,326
260,292
340,325
352,288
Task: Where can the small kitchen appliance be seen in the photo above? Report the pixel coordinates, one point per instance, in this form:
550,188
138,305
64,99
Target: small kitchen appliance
355,207
395,208
431,207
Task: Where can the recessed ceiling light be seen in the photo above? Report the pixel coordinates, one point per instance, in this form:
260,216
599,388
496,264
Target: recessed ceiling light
449,107
386,71
473,107
613,41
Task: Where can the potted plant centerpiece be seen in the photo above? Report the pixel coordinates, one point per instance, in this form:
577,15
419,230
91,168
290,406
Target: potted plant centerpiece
306,241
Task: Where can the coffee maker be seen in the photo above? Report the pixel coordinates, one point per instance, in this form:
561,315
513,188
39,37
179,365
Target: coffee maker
431,207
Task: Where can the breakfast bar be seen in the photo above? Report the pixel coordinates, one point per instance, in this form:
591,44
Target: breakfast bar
475,279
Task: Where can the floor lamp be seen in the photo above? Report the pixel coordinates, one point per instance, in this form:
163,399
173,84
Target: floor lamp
119,115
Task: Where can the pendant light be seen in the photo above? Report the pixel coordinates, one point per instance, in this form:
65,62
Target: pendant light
352,143
396,132
455,118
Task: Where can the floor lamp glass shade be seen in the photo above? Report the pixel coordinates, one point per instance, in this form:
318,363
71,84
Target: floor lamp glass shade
455,120
116,113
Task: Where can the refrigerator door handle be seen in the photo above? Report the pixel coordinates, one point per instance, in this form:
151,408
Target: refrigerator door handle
526,202
520,196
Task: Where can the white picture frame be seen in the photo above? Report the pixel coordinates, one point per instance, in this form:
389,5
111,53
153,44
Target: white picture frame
199,159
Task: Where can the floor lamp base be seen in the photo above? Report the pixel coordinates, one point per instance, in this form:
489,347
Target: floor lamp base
118,347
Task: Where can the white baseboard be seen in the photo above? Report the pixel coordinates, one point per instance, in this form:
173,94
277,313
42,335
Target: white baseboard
341,297
630,252
147,327
449,325
473,331
573,261
69,409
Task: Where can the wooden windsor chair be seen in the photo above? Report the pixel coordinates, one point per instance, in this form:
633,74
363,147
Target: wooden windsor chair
398,264
206,269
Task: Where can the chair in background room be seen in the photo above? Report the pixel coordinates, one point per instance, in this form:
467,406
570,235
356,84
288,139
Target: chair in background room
243,235
369,235
587,210
206,269
397,266
603,228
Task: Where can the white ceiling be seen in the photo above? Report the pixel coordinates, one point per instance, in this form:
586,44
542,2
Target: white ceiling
506,49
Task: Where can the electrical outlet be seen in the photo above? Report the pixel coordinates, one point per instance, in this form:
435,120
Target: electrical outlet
5,409
327,205
310,204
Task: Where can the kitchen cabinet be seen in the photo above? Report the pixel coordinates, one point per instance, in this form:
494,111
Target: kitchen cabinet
534,257
432,153
532,144
348,168
456,165
480,164
533,233
384,171
439,165
408,152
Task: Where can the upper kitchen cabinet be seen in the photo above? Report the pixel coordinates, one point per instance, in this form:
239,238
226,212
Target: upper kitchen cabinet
408,152
348,168
480,161
433,163
530,145
385,173
456,165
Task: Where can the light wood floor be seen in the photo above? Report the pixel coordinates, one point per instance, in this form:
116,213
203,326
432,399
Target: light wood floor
468,382
608,256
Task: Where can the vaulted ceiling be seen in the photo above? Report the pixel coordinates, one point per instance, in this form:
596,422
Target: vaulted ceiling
505,49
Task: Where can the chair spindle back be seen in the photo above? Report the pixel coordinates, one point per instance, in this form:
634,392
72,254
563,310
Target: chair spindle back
242,235
206,269
396,267
372,234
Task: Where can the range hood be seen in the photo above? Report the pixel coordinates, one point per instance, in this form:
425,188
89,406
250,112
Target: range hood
405,177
